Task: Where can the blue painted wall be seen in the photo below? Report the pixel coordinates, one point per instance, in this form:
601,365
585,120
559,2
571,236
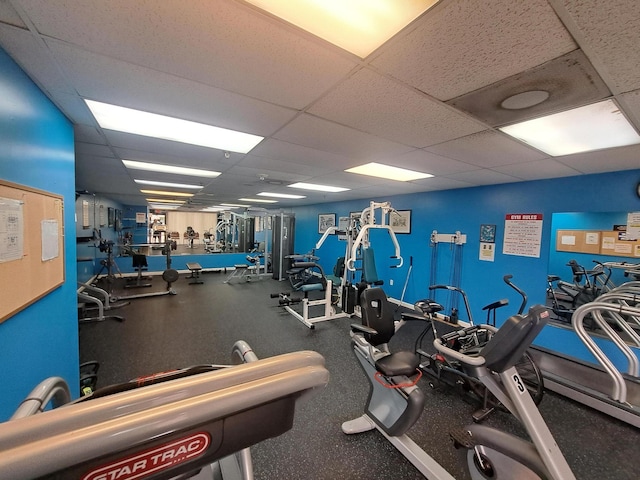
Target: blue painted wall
465,210
38,151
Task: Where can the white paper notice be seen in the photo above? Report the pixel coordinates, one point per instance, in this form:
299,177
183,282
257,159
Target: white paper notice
11,230
487,251
633,226
522,234
49,239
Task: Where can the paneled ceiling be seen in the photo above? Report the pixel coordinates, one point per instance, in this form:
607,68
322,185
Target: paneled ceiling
428,99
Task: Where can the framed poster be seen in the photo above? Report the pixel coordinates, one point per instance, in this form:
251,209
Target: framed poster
111,216
326,221
103,216
400,221
487,233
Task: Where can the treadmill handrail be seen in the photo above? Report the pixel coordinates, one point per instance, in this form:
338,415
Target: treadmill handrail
77,433
619,390
53,389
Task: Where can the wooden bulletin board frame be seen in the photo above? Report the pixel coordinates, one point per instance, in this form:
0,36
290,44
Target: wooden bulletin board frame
40,269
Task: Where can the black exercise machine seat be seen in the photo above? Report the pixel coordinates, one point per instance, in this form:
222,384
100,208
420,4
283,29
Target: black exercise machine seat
176,427
506,346
319,283
378,327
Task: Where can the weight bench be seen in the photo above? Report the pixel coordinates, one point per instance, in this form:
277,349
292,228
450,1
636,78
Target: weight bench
241,272
195,270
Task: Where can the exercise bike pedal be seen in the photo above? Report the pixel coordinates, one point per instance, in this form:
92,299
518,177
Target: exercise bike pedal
461,438
482,413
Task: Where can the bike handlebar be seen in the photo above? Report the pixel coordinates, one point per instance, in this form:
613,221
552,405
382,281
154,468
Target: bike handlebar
507,280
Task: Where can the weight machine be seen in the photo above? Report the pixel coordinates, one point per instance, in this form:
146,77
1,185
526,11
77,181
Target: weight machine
456,243
170,275
358,249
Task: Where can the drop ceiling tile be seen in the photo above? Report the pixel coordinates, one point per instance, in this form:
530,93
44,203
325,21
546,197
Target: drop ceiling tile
348,180
459,47
443,183
94,149
483,177
611,34
10,16
272,178
266,165
87,134
569,80
428,162
138,147
34,59
381,192
537,170
299,154
376,104
314,132
223,44
73,107
87,163
112,81
487,149
611,160
630,103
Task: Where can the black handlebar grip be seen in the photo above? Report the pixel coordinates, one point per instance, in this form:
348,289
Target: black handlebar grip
506,278
442,287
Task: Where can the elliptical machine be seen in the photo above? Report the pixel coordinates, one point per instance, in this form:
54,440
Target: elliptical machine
395,402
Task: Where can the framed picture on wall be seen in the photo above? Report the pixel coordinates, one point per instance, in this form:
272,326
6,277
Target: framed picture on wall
400,221
326,221
487,233
111,216
117,224
103,216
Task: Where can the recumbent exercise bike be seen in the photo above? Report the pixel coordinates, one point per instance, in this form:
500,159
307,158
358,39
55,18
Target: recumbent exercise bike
395,402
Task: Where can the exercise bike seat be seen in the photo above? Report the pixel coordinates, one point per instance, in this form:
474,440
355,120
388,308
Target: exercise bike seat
398,363
379,328
427,307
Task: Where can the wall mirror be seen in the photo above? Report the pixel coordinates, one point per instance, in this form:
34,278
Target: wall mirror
579,243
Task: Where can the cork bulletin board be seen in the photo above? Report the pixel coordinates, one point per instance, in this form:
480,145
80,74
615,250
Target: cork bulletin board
31,246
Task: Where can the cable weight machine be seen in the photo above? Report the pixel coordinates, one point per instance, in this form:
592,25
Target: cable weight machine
358,246
456,243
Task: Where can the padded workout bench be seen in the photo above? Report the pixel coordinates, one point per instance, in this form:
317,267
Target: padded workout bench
195,270
241,273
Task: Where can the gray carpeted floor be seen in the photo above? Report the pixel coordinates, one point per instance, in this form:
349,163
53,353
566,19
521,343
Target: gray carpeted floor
201,323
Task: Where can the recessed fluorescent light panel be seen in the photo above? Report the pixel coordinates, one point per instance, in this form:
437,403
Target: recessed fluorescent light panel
122,119
387,171
234,205
279,195
168,184
358,26
164,206
162,192
593,127
165,200
156,167
257,200
318,188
